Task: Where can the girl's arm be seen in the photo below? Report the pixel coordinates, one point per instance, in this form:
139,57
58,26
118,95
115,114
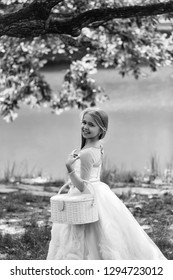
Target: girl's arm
86,166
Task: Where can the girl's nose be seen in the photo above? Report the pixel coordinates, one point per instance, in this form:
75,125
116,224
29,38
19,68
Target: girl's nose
85,126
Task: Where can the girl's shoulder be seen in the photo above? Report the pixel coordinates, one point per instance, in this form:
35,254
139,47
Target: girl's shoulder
91,153
86,152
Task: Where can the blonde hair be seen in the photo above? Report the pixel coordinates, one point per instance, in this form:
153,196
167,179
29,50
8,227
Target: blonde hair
101,119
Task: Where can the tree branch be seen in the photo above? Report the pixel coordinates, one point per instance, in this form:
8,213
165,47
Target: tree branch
38,9
36,19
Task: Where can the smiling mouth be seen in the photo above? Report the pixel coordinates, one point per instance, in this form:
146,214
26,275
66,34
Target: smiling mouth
85,132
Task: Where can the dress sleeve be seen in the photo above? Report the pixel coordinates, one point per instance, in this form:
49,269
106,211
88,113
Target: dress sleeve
87,161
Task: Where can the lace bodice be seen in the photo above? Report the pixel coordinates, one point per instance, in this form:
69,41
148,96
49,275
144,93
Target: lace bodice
88,166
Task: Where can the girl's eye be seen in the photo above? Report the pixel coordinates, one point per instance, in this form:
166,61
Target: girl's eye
91,124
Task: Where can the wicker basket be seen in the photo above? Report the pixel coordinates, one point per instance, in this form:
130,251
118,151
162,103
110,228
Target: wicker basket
73,209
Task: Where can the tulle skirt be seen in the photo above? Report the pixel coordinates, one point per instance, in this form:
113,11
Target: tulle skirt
116,236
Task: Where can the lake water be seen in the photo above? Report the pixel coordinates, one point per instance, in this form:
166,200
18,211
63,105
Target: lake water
140,114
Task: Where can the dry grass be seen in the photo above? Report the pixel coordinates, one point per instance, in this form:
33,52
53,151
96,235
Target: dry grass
33,243
111,174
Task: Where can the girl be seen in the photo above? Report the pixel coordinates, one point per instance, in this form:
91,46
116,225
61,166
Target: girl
117,235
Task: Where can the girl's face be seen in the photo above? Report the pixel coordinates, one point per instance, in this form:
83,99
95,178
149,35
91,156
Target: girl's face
90,129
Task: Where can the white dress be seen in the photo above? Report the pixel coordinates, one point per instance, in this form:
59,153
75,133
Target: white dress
116,236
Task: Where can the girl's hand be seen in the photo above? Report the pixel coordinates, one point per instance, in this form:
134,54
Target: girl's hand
72,158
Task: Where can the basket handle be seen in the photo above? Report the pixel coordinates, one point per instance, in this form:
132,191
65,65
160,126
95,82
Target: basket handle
63,187
68,183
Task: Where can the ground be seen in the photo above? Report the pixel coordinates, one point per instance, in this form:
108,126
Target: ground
25,222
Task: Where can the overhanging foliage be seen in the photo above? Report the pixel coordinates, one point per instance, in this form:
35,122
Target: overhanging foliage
121,34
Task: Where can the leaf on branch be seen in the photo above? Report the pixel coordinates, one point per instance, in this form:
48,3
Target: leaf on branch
108,33
78,89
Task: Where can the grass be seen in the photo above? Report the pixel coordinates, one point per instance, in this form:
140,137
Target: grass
157,213
15,172
34,219
111,174
154,165
31,214
33,244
